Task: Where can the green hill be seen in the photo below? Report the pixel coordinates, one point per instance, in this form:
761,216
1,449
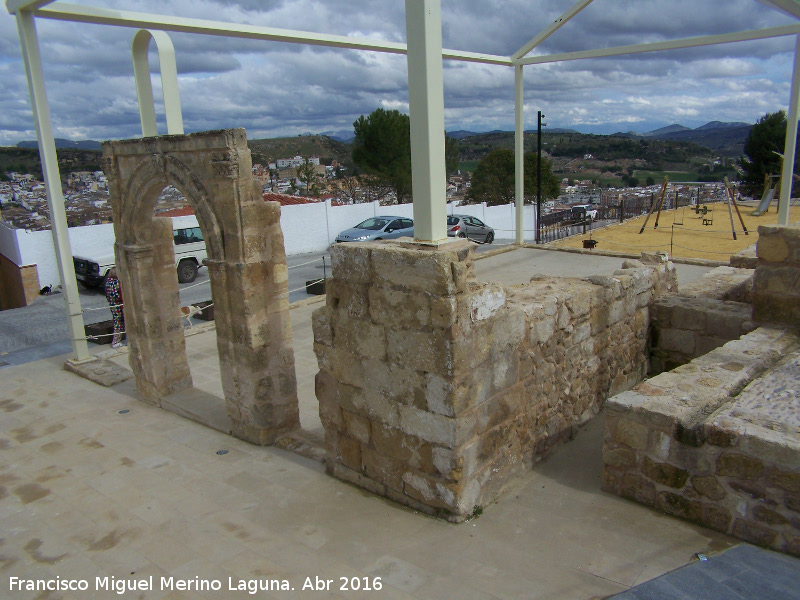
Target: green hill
327,149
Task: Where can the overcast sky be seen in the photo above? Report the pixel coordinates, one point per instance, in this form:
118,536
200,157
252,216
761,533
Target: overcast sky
275,89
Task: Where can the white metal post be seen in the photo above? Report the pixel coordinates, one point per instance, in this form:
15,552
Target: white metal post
426,108
787,172
169,82
519,151
52,179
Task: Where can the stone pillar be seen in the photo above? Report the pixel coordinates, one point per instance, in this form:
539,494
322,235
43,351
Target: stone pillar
418,371
254,333
776,283
156,345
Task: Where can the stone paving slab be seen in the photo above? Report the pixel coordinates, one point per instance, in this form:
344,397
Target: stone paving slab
741,573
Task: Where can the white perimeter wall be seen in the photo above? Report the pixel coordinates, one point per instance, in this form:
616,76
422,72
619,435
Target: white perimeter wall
306,228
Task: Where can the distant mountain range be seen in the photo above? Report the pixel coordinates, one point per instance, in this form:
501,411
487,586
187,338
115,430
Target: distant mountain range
725,138
62,143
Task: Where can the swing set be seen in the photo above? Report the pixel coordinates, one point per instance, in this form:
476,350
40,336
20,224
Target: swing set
707,215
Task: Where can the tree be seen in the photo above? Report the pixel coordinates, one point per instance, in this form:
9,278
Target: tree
493,179
382,148
307,174
451,154
650,180
767,137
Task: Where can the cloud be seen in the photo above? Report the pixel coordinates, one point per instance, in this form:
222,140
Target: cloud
276,89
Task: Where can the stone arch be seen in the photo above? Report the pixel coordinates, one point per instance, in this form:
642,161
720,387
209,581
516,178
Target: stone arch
247,269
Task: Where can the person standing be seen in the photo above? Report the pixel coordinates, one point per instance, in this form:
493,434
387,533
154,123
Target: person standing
114,297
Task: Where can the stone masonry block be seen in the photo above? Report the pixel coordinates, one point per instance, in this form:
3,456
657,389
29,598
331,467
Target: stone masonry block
408,449
631,434
421,351
351,263
399,309
677,340
370,404
420,270
359,337
436,429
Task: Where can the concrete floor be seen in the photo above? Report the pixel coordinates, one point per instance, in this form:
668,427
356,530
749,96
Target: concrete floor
88,491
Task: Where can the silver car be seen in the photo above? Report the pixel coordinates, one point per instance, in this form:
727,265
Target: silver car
378,228
465,226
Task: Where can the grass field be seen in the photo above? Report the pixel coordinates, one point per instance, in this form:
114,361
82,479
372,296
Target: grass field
658,176
681,233
468,165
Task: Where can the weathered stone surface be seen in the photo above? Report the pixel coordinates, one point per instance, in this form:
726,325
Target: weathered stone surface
665,474
716,517
632,434
678,506
621,458
638,488
247,269
739,466
753,532
448,388
708,487
771,517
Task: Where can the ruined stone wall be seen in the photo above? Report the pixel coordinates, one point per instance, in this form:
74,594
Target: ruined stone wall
436,390
715,443
702,316
776,285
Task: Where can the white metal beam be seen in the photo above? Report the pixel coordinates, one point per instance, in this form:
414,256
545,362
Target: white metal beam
551,29
169,82
519,151
12,6
706,40
29,43
789,7
790,145
426,110
101,16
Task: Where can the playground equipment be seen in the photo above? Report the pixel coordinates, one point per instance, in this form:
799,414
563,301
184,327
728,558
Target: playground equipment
658,203
732,200
770,191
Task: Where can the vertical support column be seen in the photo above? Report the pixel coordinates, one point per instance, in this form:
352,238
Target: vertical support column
157,349
787,173
52,179
519,153
426,107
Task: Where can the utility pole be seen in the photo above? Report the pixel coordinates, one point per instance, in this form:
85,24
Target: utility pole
539,176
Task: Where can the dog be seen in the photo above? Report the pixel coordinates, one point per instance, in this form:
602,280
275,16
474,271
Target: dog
187,312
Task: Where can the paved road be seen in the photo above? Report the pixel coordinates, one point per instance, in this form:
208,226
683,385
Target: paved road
44,322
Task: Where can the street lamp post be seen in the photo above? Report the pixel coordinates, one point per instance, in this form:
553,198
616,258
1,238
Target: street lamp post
539,177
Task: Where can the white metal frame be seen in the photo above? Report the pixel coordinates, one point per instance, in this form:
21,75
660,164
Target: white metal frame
169,82
426,105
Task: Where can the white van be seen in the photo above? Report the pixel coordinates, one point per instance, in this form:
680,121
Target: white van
189,247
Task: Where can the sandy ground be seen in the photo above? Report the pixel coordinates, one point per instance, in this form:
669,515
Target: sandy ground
681,232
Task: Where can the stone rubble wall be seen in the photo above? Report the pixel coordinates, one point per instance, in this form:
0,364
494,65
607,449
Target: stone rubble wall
436,391
702,316
776,285
711,443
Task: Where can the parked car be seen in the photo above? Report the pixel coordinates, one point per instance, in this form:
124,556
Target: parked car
190,251
581,212
384,227
465,226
